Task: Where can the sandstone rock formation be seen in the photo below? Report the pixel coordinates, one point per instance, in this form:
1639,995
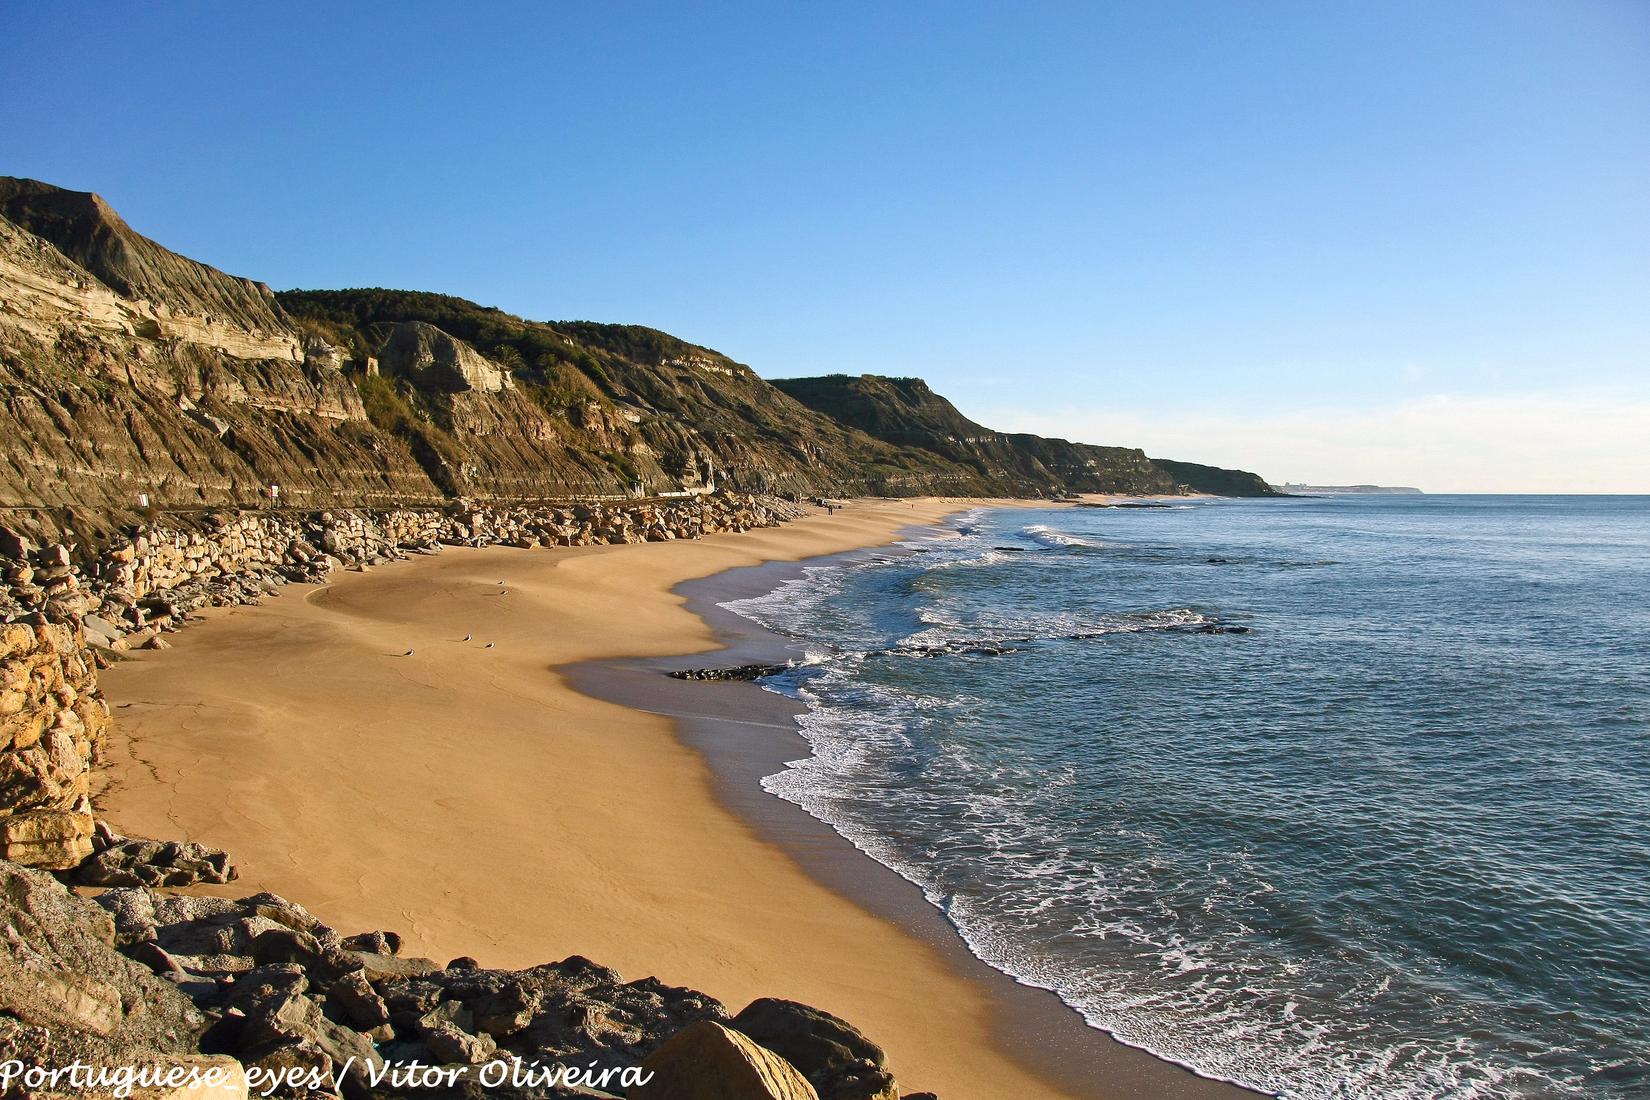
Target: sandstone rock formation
710,1062
837,1060
65,992
52,718
432,360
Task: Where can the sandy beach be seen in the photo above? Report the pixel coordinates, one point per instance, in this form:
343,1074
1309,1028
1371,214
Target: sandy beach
465,796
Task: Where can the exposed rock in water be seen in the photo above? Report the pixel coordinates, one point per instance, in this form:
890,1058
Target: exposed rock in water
738,672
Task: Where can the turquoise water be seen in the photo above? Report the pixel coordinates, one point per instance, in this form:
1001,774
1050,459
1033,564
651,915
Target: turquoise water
1392,841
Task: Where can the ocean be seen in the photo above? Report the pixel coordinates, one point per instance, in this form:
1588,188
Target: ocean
1341,797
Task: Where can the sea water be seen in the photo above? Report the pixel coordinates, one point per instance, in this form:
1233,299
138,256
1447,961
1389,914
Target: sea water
1339,797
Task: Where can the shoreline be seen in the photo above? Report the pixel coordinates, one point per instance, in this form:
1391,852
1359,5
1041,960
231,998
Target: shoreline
281,732
1030,1023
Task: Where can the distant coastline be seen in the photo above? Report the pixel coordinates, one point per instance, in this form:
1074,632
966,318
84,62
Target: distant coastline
1295,488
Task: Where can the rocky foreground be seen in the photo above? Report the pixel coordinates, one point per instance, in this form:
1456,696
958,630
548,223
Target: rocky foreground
261,988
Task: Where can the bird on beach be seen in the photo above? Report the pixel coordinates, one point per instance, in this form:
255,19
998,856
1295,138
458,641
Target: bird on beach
466,637
409,653
489,645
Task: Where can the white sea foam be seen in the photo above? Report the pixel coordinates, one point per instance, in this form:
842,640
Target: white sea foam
1055,538
1220,1014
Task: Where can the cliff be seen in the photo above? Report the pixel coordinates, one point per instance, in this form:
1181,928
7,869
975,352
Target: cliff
905,412
1219,482
635,403
137,378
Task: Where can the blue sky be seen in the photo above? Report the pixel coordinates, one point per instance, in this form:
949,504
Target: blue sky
1399,242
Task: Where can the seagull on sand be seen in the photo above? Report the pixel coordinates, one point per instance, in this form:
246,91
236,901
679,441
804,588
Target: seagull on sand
409,653
466,637
489,645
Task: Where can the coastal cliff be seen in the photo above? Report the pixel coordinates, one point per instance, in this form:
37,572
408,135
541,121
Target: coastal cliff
905,412
133,374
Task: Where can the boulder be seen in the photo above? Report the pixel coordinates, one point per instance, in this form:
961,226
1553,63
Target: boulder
837,1060
448,1045
377,943
279,1017
60,972
378,966
14,545
103,626
156,863
133,911
710,1062
53,839
359,1004
324,964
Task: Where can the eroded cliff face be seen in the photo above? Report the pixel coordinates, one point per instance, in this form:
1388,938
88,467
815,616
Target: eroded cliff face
135,378
906,412
642,405
169,297
109,397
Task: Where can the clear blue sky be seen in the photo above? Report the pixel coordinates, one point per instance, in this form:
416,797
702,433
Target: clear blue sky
1322,240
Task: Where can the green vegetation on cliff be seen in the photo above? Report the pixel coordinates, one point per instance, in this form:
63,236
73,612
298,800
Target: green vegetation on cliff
1213,479
905,411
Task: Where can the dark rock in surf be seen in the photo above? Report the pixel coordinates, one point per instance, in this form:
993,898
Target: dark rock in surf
738,672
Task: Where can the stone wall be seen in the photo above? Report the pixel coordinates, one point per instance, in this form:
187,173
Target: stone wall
66,611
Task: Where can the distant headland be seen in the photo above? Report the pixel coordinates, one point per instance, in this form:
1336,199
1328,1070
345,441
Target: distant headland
1295,488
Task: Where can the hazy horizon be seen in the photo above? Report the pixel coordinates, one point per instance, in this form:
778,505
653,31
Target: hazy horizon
1391,243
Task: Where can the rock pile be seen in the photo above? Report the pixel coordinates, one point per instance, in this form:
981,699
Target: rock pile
66,992
139,973
51,721
129,593
118,861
